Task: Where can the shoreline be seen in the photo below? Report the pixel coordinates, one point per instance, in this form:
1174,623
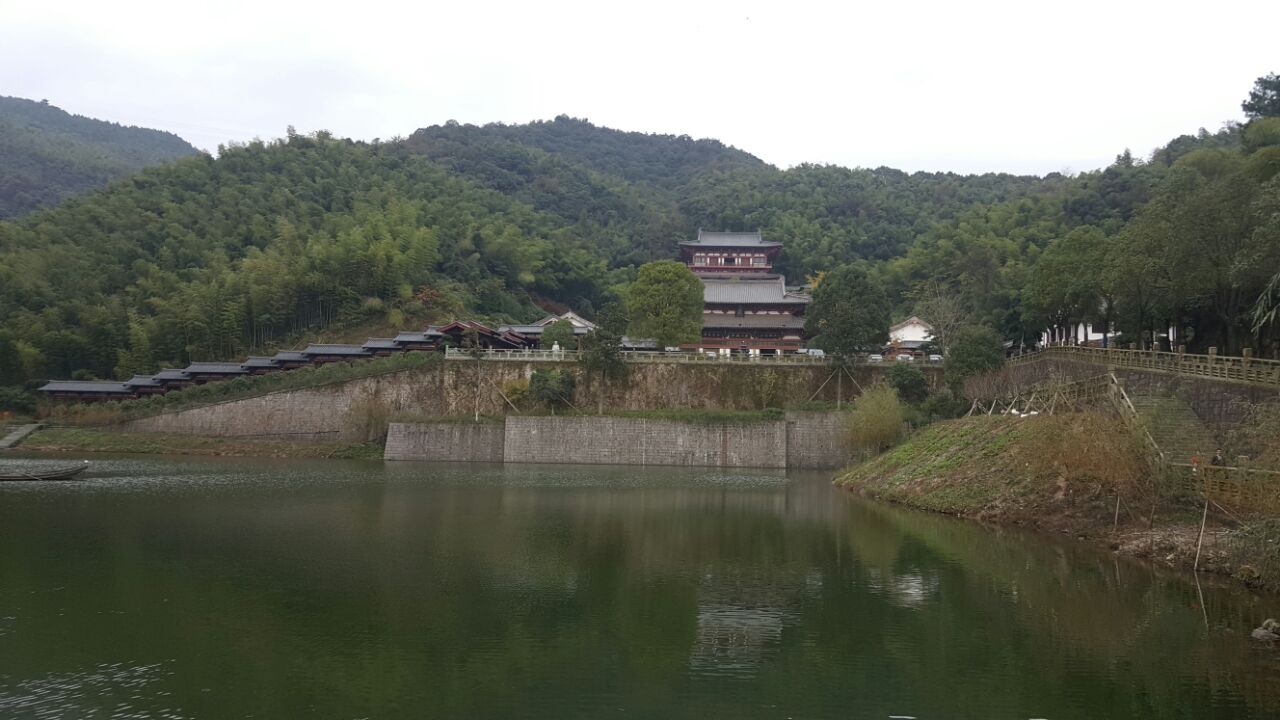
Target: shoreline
79,440
1011,473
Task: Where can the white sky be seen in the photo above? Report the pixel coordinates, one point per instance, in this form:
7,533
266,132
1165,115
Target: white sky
1022,86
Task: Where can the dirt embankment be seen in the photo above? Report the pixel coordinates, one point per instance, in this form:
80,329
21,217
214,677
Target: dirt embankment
1082,474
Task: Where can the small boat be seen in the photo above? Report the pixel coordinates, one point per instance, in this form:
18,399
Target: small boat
62,473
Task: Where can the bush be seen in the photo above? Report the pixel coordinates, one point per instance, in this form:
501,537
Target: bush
1252,552
517,391
561,332
975,349
17,401
369,419
552,388
942,405
909,381
876,420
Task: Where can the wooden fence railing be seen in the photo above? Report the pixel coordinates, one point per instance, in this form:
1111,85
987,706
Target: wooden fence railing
1243,487
1225,367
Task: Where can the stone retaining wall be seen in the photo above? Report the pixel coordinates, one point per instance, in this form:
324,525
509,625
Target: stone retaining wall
460,388
636,441
445,442
802,440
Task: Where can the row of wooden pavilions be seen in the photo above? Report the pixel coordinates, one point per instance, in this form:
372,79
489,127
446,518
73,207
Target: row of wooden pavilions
459,333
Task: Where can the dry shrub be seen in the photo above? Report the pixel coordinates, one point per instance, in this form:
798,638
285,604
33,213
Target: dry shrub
369,418
876,420
87,414
517,391
1086,453
1259,435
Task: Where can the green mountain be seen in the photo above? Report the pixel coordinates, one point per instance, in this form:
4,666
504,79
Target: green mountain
274,243
48,155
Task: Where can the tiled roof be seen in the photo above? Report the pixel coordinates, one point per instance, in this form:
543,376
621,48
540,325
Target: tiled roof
409,336
86,386
353,350
259,362
765,289
214,368
537,329
172,374
142,381
381,344
913,319
762,320
732,239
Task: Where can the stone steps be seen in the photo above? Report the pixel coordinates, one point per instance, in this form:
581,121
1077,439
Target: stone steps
1175,427
16,435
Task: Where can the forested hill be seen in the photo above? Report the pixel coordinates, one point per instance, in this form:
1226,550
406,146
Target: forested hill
276,243
48,154
640,193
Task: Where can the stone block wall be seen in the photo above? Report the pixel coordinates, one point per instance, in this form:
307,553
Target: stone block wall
445,442
802,440
817,440
636,441
461,388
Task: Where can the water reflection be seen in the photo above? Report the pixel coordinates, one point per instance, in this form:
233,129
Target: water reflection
265,588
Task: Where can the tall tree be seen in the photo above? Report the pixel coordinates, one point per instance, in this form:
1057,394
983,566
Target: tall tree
849,314
1065,286
665,303
943,308
561,332
976,349
1264,98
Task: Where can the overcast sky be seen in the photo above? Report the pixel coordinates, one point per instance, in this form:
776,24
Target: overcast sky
1023,86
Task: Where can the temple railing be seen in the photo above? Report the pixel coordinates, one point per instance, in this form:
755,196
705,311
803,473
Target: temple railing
636,356
655,356
1223,367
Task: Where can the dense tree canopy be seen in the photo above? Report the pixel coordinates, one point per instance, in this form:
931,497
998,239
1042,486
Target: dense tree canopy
1264,98
271,244
48,155
974,350
559,333
850,313
665,304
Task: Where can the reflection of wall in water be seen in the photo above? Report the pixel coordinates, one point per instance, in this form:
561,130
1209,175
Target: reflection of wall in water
741,619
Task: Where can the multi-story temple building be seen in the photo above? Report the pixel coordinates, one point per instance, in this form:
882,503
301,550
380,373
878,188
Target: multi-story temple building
747,307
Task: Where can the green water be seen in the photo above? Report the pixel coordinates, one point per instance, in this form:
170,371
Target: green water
229,588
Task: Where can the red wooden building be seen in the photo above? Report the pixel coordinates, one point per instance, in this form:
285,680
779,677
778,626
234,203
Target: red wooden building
746,306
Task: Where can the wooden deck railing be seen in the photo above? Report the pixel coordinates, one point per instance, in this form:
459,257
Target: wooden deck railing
1225,367
1239,486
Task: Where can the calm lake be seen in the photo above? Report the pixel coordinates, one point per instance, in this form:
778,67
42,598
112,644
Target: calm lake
184,588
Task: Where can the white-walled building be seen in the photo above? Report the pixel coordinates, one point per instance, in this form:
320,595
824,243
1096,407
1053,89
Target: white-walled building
913,329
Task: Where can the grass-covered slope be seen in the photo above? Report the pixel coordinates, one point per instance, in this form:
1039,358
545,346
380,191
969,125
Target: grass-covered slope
1051,471
48,154
1064,473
